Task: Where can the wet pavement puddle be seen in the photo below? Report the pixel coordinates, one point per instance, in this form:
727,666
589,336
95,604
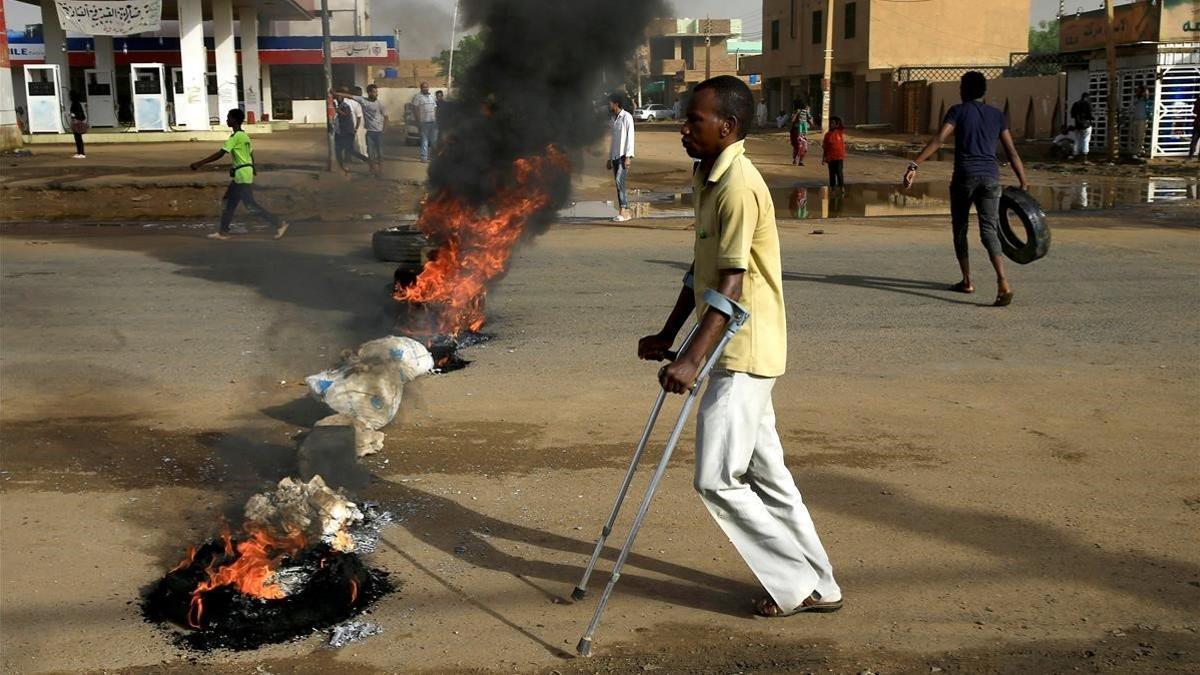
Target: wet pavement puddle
858,200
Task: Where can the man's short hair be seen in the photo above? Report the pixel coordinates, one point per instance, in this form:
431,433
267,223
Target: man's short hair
617,98
371,87
973,85
237,115
734,100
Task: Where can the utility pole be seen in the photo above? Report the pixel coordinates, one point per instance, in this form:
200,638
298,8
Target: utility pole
450,65
327,56
827,80
707,47
638,65
1112,101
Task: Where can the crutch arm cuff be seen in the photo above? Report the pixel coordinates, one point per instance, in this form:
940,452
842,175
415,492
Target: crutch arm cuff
736,314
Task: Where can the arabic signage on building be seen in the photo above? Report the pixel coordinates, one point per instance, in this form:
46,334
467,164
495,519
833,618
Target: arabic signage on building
346,50
106,17
1137,22
1180,21
288,50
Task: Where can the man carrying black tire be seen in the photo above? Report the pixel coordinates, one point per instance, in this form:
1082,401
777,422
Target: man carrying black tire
976,128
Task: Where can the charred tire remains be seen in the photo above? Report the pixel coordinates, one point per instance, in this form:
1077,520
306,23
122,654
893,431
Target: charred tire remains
1036,240
338,586
400,245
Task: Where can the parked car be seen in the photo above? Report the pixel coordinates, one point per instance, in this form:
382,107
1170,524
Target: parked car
654,111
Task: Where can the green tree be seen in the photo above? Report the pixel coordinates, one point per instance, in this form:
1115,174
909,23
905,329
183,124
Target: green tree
1043,39
465,55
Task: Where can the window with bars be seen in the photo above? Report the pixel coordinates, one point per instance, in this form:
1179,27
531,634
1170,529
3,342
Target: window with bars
851,20
775,34
817,27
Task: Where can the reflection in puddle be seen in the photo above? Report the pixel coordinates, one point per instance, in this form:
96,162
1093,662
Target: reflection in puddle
888,199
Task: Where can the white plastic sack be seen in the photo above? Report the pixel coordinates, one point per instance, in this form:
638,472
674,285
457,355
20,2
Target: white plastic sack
370,383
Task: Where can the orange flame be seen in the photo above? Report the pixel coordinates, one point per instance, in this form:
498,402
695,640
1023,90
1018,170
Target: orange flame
187,560
251,571
477,245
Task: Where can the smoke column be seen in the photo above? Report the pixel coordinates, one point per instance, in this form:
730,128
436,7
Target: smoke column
501,169
534,85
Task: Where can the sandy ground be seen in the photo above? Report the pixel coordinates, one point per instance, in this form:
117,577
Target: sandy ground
1005,490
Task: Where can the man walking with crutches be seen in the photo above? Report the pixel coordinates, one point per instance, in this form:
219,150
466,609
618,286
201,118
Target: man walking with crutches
740,471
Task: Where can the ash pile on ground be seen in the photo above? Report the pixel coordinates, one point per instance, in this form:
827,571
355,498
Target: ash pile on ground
319,579
239,622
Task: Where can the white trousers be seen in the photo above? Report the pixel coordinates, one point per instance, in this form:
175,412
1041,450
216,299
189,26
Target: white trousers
742,479
1083,141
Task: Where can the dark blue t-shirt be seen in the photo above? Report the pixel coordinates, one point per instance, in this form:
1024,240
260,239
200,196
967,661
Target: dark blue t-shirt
977,129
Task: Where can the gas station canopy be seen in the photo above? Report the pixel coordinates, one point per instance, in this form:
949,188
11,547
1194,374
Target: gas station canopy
269,10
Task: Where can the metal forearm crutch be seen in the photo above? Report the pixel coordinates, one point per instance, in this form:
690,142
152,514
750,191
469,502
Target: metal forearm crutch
735,316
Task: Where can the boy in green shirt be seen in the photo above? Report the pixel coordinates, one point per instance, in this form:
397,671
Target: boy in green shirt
241,188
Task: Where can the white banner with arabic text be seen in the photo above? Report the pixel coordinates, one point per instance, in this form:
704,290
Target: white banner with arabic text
346,50
109,17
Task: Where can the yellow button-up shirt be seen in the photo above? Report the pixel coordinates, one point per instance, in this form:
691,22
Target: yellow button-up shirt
735,229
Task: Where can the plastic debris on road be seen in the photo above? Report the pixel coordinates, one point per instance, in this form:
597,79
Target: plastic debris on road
369,384
352,631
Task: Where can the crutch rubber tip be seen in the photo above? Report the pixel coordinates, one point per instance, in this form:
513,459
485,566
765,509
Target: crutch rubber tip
584,648
578,594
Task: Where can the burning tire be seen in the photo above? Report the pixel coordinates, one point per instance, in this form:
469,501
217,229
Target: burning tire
1036,240
292,569
400,245
336,586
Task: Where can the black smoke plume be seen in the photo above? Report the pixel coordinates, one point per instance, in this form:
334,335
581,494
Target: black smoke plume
536,84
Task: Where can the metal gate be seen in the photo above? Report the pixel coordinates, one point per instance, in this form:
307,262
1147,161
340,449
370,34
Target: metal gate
1178,89
1127,83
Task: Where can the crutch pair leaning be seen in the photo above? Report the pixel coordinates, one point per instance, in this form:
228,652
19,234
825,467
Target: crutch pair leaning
735,316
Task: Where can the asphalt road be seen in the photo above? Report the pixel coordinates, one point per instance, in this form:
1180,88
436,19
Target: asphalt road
999,488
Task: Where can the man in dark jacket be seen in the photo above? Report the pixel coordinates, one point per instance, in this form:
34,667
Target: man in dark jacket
1081,113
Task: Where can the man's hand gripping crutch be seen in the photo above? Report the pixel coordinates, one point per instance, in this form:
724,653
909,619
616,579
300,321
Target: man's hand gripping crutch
698,354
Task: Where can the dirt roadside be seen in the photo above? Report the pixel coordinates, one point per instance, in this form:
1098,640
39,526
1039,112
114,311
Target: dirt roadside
151,182
1001,491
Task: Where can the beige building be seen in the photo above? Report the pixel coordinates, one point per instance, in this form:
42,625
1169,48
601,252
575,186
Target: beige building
872,39
681,52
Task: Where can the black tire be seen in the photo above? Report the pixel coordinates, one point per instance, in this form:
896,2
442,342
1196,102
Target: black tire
400,244
1036,240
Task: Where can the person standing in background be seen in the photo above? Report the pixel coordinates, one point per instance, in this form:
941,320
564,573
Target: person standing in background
360,120
1081,113
79,124
620,153
1138,112
375,121
1195,128
833,152
425,108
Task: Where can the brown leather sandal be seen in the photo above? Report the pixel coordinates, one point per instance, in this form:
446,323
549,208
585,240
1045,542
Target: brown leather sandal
767,607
